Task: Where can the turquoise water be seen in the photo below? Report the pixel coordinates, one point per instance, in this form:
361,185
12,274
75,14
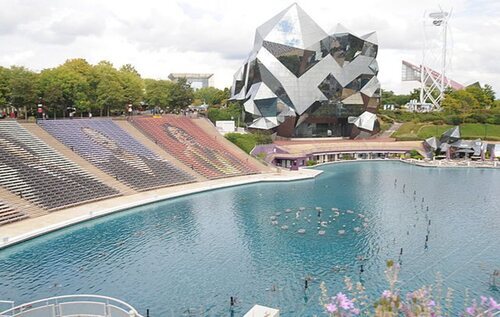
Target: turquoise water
187,256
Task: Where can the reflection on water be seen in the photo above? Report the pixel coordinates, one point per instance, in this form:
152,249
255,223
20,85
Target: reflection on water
188,256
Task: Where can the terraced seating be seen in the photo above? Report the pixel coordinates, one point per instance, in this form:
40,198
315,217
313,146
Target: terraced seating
10,214
186,141
36,172
111,149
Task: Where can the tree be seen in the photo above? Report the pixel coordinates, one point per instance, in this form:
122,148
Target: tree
68,85
109,89
157,92
23,88
460,101
128,68
233,111
4,86
51,84
212,96
132,83
388,97
181,94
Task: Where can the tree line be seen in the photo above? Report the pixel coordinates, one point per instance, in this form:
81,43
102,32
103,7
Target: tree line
473,104
102,89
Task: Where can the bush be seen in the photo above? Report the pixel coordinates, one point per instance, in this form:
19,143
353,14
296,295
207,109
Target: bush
453,120
311,163
415,155
247,142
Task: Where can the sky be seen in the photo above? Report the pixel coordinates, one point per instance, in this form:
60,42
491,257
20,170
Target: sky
215,36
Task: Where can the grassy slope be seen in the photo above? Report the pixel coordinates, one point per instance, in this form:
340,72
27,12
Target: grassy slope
419,131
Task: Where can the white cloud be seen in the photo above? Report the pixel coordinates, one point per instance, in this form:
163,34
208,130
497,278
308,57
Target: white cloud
160,37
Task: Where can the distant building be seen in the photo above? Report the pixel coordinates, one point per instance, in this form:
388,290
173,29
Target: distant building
196,81
416,106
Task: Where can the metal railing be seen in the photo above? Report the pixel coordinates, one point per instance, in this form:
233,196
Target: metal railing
72,305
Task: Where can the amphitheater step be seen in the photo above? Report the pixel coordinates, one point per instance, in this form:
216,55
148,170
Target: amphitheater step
147,142
210,129
87,166
21,204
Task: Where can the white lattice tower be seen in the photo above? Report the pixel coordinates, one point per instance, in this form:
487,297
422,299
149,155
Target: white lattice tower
434,58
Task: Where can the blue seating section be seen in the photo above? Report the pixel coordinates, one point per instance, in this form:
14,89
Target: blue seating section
111,149
36,172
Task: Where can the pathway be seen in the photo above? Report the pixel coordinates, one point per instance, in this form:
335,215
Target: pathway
387,133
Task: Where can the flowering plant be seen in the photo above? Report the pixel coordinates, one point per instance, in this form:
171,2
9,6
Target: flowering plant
423,302
341,306
488,307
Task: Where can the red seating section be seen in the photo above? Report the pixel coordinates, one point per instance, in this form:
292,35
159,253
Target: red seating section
187,142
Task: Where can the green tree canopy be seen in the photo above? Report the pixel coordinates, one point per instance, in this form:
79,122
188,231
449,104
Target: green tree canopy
23,87
109,91
473,98
4,85
212,96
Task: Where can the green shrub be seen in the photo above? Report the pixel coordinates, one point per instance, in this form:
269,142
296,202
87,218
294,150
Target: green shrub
247,142
311,162
415,155
453,120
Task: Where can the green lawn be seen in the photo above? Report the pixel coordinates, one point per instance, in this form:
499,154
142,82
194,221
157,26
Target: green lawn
420,131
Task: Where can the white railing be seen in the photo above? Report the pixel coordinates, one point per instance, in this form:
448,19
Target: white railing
72,306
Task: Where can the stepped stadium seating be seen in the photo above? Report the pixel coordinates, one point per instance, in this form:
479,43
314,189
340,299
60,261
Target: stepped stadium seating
107,146
36,172
10,214
186,141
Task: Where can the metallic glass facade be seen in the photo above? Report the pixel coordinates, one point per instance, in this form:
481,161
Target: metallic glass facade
302,82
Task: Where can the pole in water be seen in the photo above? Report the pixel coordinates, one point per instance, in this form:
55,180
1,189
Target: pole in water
147,312
361,269
306,284
232,301
401,252
426,238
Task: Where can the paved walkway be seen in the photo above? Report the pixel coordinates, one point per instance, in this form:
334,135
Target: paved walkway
454,163
387,133
351,145
33,227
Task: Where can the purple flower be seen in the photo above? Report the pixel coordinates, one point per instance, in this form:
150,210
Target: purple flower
431,303
331,308
343,302
340,296
483,300
347,304
494,304
386,294
471,310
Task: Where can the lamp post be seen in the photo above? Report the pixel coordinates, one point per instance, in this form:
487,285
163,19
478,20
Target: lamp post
39,109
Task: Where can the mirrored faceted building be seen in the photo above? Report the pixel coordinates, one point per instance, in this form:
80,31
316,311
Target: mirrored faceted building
300,81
